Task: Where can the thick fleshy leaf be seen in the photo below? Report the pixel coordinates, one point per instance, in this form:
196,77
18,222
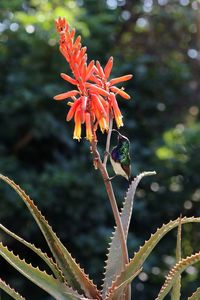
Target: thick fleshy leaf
118,293
176,290
195,295
54,268
46,282
140,257
177,269
72,272
10,291
114,263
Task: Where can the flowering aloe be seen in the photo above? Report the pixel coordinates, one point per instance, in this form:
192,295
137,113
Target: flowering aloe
94,99
93,103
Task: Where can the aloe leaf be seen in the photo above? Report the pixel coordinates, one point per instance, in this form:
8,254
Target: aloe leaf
139,257
195,295
117,292
54,268
10,291
46,282
177,269
176,290
74,275
114,262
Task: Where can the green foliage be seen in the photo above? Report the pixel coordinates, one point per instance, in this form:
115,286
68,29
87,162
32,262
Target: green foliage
10,291
114,262
73,274
195,295
177,269
75,278
165,94
176,290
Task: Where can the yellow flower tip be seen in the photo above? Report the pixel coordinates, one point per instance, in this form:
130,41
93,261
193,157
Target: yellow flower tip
77,138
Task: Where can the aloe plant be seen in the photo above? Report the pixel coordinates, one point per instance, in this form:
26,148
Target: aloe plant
94,104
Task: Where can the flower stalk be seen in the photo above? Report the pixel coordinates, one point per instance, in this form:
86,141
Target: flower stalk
101,166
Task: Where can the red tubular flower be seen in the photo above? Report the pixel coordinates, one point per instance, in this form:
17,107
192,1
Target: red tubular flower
94,96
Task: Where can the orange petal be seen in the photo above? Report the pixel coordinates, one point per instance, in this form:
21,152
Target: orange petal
77,41
64,52
84,71
100,70
108,67
73,109
90,70
98,90
89,135
77,128
120,79
116,110
66,95
98,105
68,78
120,92
72,33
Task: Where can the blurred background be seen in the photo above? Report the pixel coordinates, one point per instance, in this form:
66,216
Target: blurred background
158,41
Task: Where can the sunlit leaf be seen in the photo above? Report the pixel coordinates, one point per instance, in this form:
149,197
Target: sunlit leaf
140,257
195,295
74,275
54,268
10,291
46,282
176,290
114,263
177,269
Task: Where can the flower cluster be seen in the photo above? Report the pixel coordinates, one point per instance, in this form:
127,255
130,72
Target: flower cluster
94,98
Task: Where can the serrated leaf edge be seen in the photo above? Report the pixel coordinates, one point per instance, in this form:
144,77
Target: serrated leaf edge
11,291
195,295
30,204
177,269
130,193
144,251
58,288
48,260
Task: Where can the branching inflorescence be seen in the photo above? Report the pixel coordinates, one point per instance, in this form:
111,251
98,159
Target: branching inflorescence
94,99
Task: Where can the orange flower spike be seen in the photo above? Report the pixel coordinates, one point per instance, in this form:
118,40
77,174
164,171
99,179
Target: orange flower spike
103,125
75,54
77,41
98,90
64,52
90,70
61,24
106,107
73,108
94,79
108,67
72,34
66,95
120,79
81,54
120,92
100,70
84,71
116,110
76,71
89,135
77,128
98,105
68,78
